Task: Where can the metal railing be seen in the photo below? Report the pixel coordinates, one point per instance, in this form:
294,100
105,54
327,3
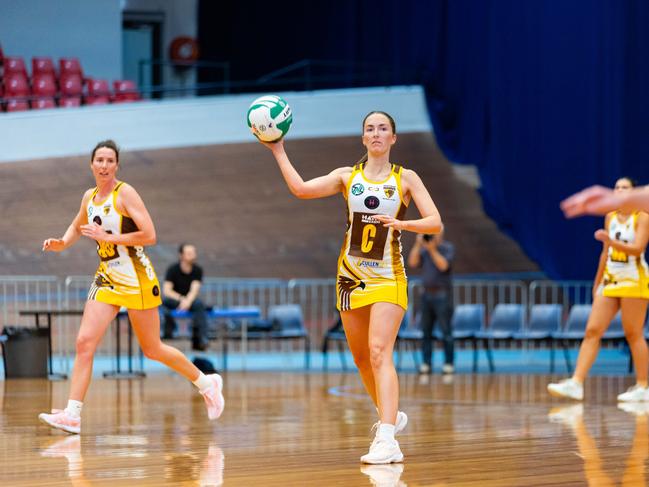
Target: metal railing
317,297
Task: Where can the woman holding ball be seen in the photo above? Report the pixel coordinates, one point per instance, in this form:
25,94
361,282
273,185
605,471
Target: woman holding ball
372,292
114,215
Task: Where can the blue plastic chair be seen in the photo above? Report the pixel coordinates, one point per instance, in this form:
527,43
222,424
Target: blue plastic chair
467,320
545,319
408,336
574,330
505,320
287,323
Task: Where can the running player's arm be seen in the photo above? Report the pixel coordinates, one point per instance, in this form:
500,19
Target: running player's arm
430,221
73,232
639,244
130,204
319,187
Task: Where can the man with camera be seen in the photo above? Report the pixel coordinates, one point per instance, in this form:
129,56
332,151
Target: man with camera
435,256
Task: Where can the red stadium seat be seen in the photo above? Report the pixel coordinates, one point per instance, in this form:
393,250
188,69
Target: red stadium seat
43,65
16,92
71,85
98,92
14,105
44,87
41,103
70,66
16,85
14,64
125,91
70,101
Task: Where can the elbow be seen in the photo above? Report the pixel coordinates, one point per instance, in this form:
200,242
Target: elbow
300,193
152,240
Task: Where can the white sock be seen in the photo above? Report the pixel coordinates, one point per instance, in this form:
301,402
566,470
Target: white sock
203,382
74,408
386,431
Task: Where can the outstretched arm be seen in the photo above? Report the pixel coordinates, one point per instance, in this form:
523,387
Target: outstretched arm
73,232
319,187
430,221
598,200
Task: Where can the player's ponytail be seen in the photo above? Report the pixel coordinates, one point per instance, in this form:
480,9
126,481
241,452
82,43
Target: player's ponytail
362,159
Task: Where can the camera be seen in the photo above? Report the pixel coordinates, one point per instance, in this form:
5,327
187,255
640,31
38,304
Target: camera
428,237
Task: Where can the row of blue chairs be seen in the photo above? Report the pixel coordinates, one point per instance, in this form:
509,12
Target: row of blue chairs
282,322
508,323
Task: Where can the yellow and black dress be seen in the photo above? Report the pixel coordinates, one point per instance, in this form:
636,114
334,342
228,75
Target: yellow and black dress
370,266
125,276
625,276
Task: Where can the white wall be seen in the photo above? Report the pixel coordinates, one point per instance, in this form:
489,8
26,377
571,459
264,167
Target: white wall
199,121
88,29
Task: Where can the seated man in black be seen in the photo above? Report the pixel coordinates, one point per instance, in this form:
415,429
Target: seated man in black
180,290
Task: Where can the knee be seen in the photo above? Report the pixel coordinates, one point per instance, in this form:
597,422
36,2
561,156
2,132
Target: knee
593,333
153,352
633,335
85,346
362,361
379,354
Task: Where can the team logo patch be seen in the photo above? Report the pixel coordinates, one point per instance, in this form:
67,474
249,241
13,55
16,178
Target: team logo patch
372,202
389,190
156,291
90,211
97,220
358,189
106,210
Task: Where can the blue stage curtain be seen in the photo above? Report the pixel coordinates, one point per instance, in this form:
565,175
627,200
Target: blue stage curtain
544,97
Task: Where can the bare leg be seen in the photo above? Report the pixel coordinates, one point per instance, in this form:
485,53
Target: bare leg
356,324
385,319
94,322
603,311
634,311
146,324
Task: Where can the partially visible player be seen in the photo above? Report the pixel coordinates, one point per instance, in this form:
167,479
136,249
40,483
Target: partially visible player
372,293
114,215
621,283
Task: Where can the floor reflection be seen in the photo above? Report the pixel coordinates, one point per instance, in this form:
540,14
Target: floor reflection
596,475
385,475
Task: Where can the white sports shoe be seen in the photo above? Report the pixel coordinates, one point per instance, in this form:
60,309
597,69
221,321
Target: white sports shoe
399,425
569,388
383,450
448,369
634,393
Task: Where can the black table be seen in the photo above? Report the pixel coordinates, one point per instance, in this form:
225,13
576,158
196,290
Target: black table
115,374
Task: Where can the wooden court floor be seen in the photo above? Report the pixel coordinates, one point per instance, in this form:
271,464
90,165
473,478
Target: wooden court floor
295,429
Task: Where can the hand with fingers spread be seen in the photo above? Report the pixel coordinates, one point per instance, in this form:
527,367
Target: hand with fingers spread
595,200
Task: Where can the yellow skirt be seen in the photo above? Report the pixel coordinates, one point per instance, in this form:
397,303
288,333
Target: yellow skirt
352,294
620,286
144,296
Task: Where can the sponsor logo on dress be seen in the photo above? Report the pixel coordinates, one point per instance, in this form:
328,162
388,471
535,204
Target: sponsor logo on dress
358,189
90,212
389,190
368,263
373,188
372,202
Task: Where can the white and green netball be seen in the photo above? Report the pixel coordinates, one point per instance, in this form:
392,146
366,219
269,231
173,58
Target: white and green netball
269,118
